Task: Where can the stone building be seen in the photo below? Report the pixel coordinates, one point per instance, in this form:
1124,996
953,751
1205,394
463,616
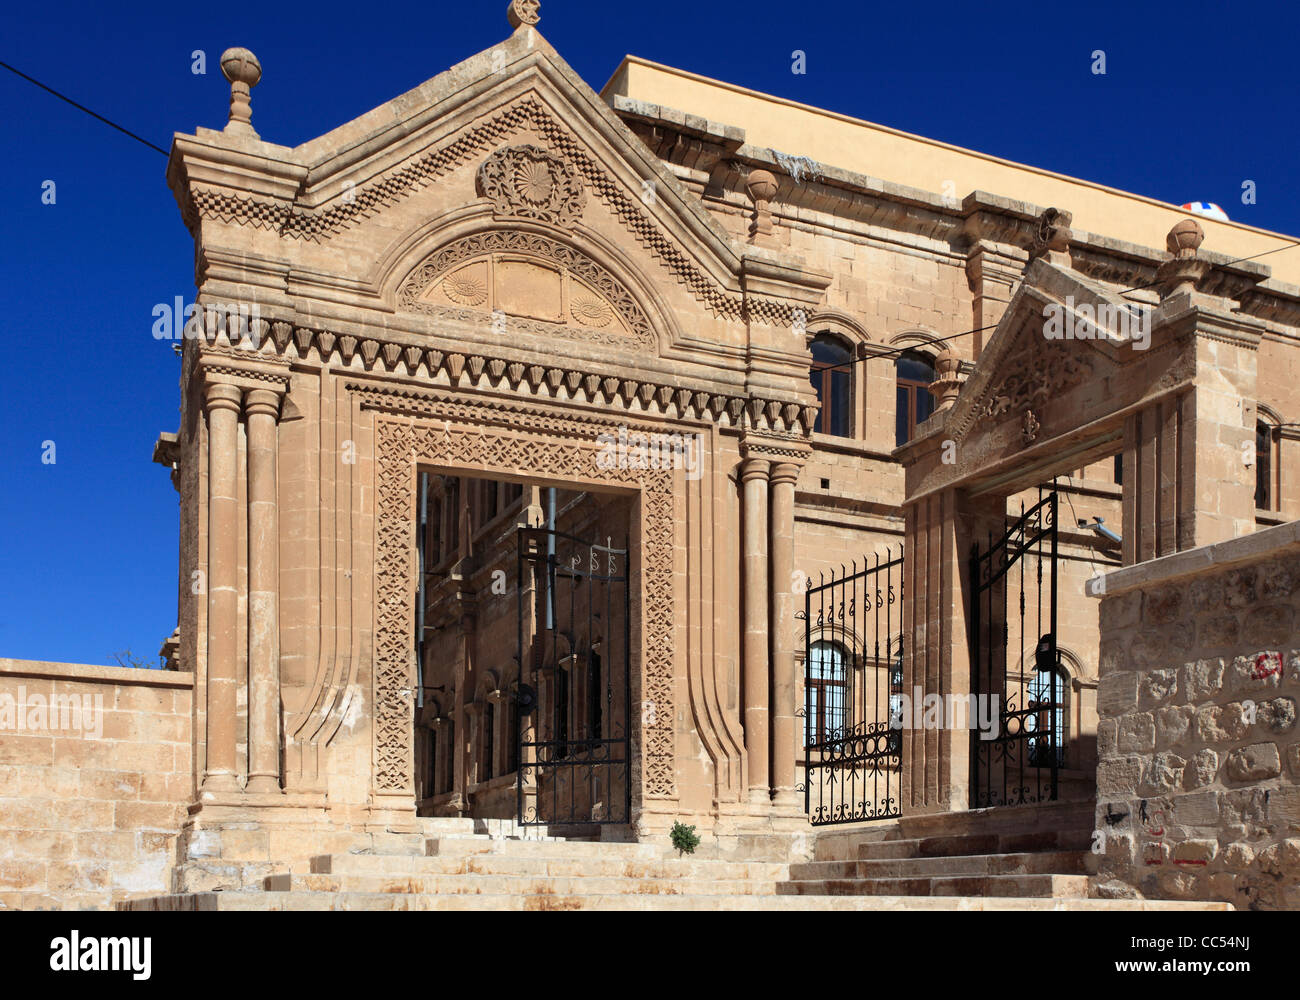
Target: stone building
605,460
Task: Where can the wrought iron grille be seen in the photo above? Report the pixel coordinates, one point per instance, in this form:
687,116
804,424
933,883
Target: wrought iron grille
572,704
1013,588
853,669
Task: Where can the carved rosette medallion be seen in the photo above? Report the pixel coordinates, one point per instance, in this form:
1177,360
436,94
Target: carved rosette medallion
528,182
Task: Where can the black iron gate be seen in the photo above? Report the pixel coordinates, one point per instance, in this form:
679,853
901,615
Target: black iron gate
853,679
1016,760
573,696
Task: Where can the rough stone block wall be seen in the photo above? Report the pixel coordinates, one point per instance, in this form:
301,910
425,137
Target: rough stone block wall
1198,779
94,781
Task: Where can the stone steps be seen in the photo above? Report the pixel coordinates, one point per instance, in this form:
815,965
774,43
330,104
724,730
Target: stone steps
1039,852
482,864
1041,863
516,885
255,900
976,844
1012,886
554,848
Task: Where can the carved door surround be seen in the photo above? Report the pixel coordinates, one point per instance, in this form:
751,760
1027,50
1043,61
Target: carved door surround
520,440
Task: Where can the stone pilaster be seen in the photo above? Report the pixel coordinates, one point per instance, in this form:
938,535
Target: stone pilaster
940,532
222,403
757,693
262,410
784,475
992,274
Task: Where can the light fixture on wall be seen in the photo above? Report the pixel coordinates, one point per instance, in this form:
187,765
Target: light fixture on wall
1098,524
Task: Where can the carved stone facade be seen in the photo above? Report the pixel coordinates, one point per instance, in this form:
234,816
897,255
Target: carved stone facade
459,300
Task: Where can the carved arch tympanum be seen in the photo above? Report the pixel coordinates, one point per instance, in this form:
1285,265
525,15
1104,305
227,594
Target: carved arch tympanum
508,440
544,286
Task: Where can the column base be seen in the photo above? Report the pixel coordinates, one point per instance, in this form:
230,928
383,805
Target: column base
220,783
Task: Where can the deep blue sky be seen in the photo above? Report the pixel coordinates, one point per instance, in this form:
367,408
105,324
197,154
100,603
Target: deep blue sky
1196,99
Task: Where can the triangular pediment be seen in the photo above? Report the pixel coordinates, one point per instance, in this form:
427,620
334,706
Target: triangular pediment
500,200
1067,359
1060,333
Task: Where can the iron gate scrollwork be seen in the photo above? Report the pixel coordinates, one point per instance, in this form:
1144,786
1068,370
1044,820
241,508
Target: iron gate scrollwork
853,677
573,698
1019,764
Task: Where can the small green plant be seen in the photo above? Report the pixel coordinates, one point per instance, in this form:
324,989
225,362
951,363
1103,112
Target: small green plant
684,838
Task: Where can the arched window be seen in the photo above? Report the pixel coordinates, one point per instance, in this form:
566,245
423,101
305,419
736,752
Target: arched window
827,695
1050,712
831,376
914,372
1264,494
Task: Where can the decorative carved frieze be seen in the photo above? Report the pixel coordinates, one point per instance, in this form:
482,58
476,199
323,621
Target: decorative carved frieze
264,369
1044,375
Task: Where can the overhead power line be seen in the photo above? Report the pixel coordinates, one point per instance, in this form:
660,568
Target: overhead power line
82,107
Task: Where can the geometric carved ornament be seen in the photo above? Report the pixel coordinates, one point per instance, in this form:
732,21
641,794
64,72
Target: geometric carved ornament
1039,378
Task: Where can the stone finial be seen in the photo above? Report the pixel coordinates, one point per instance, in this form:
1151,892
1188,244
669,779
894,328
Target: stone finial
1052,240
761,188
1185,239
242,69
523,12
948,379
1185,269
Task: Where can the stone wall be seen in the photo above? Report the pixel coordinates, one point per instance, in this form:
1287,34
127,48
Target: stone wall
95,777
1198,780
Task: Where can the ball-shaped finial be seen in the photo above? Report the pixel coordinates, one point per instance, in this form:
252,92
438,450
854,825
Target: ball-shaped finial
1185,238
946,361
523,12
761,185
241,66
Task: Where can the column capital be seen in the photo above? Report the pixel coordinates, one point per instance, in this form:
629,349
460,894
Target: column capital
263,402
785,473
775,450
755,468
222,396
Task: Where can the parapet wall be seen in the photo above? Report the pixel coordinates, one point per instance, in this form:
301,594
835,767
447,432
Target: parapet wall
95,777
1198,780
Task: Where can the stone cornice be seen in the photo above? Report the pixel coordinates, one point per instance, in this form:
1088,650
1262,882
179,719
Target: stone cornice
267,366
979,223
245,368
783,450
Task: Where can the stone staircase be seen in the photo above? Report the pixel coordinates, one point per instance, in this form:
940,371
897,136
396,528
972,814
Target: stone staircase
461,865
947,866
1038,852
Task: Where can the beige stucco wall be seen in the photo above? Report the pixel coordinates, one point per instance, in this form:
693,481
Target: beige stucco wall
1198,784
91,802
891,155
